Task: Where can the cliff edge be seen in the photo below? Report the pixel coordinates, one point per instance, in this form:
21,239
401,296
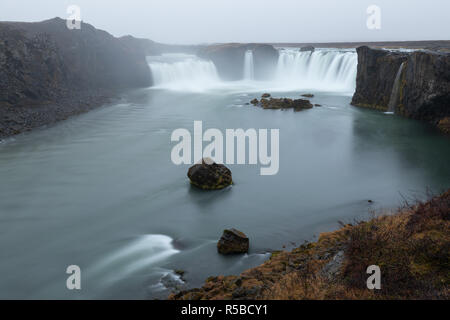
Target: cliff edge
48,72
412,84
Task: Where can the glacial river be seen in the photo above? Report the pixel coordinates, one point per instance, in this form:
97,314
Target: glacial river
100,190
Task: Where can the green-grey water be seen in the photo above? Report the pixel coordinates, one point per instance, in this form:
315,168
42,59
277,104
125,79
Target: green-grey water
100,190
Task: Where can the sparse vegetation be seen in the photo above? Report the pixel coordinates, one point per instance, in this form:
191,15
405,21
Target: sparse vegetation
411,247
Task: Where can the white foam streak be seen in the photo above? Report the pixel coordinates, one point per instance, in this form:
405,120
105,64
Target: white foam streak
142,253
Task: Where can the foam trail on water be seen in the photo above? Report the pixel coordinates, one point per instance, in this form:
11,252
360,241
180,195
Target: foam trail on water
140,254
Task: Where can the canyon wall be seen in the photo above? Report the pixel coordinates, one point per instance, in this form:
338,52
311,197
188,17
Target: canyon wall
48,72
423,87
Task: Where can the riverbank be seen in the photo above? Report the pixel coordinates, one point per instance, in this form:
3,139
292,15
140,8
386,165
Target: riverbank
48,72
19,119
410,246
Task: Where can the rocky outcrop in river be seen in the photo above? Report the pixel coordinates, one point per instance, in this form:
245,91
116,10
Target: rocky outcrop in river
233,241
282,103
48,72
229,59
414,84
209,175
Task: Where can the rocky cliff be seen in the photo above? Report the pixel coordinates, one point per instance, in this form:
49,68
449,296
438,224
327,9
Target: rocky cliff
48,72
229,59
412,84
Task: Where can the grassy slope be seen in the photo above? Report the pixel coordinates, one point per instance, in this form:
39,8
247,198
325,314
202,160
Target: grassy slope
411,247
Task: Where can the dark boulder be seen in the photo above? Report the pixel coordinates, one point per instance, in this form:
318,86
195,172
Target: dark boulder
308,95
444,125
265,95
209,175
233,241
254,102
285,103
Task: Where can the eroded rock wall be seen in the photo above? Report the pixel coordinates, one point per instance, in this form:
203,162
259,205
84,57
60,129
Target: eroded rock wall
424,83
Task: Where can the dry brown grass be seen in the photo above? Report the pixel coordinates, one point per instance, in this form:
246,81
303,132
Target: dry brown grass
411,247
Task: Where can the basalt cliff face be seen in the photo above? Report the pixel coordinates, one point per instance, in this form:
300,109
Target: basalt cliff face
413,84
48,72
229,59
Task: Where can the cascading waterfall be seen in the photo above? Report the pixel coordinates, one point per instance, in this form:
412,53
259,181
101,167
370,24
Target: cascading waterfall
183,72
249,68
329,70
393,100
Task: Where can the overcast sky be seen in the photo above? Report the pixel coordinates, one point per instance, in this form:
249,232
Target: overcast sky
204,21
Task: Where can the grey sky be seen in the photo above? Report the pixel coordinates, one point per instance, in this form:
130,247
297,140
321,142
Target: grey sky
200,21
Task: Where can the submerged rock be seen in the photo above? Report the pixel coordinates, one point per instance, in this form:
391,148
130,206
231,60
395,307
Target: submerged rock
173,282
233,241
254,102
209,175
333,268
284,103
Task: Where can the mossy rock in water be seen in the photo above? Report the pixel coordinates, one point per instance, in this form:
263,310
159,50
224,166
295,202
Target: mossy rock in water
209,175
286,103
233,241
444,125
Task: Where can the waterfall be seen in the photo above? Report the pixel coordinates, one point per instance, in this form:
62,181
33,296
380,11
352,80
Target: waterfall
394,94
249,68
329,70
182,72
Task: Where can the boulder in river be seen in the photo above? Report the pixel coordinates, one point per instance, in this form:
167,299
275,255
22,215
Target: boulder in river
209,175
254,102
285,103
233,241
